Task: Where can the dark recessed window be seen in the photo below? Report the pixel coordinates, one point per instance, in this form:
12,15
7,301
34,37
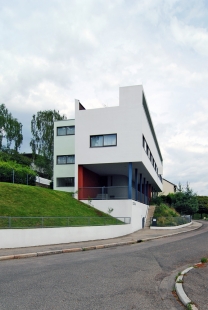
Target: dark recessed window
65,182
65,159
103,140
66,130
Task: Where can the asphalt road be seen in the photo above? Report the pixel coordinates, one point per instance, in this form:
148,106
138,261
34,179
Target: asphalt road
140,276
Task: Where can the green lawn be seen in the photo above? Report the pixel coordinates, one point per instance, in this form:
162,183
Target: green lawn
18,200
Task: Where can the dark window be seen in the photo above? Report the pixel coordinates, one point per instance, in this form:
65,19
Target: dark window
65,159
103,140
65,182
66,130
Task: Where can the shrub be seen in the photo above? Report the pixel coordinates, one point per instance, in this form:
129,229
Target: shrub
22,174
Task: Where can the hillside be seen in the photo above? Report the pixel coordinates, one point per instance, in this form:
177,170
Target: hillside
19,200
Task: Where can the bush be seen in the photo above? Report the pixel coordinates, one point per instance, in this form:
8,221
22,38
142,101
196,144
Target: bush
22,174
165,211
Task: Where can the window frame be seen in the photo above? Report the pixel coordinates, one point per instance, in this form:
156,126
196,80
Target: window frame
103,136
66,134
72,179
58,156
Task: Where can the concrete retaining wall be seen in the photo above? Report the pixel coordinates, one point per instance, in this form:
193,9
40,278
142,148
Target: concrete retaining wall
13,238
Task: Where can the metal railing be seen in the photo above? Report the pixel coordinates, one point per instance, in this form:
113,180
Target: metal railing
109,193
17,177
11,222
170,221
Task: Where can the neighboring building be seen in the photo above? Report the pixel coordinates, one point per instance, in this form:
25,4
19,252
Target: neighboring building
109,154
168,188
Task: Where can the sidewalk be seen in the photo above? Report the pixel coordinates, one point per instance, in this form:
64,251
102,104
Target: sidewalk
140,235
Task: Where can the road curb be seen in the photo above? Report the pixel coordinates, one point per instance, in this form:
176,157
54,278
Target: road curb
180,291
87,248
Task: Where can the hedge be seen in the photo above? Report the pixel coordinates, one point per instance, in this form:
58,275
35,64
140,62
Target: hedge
22,174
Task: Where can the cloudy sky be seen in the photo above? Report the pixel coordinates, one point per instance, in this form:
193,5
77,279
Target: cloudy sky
53,51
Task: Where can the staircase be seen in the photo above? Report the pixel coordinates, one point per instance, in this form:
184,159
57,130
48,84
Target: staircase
151,211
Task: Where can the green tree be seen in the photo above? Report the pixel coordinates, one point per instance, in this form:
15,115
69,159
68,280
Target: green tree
203,205
10,129
43,134
185,200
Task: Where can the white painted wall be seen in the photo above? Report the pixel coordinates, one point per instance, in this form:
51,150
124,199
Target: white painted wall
123,208
128,121
63,145
15,238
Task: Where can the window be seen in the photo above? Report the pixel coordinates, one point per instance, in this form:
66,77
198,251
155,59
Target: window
65,182
149,154
66,130
103,140
65,159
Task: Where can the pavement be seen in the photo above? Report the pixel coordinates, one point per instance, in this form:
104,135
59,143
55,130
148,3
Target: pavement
187,287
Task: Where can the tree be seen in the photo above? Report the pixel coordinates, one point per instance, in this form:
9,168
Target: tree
203,205
10,129
42,131
185,200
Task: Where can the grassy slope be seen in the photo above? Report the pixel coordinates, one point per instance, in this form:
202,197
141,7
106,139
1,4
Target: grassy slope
22,200
166,211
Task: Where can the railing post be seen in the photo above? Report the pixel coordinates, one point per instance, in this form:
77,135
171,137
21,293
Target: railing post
102,192
42,222
9,221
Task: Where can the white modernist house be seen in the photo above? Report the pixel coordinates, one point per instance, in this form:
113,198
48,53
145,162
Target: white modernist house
110,156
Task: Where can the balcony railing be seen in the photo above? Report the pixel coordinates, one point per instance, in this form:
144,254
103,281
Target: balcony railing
109,193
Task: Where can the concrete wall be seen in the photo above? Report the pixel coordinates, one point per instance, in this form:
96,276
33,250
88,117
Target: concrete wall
123,208
12,238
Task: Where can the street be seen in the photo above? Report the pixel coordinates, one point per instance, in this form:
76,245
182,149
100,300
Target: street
139,276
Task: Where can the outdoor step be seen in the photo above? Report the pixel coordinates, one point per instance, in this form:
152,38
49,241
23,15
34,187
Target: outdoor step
150,214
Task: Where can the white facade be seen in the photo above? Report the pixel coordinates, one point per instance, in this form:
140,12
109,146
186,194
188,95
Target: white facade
117,155
64,145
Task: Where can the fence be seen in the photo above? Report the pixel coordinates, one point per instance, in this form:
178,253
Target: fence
11,222
18,177
170,221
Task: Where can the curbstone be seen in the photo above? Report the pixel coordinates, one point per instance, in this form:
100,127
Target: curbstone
88,248
181,294
6,257
49,253
186,270
109,245
72,250
101,246
180,291
26,255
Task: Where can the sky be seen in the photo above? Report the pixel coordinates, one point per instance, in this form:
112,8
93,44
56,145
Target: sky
55,51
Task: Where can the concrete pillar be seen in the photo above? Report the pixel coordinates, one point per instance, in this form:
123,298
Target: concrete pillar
136,184
140,189
130,182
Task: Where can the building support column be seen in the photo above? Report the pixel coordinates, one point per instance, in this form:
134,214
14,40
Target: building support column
144,200
147,199
140,189
136,184
130,182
